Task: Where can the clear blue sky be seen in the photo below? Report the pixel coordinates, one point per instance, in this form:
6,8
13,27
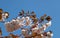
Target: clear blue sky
49,7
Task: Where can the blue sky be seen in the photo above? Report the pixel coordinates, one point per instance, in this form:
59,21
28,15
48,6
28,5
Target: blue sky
49,7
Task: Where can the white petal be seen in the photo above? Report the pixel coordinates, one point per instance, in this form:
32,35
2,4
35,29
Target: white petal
6,14
44,26
23,30
49,23
41,34
13,20
18,17
23,17
27,18
48,32
52,34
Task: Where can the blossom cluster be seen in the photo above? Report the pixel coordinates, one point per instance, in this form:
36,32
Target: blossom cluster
30,25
